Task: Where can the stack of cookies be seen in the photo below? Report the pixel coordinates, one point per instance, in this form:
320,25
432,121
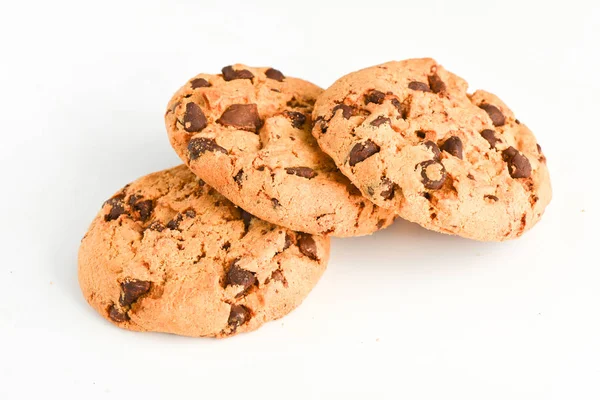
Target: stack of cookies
274,166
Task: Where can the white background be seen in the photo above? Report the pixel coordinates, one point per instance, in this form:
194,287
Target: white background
405,313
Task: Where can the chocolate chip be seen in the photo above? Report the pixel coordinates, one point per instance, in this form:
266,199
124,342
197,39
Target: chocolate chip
132,290
471,177
275,202
491,197
420,86
117,207
298,119
190,213
116,315
374,96
388,187
226,246
518,164
380,223
303,172
288,241
434,149
433,174
239,276
490,136
272,73
436,83
509,153
380,121
174,223
347,111
323,127
307,246
362,151
454,146
421,134
246,217
277,275
156,226
230,74
403,108
539,148
144,208
200,83
495,114
238,177
194,119
242,116
199,146
238,315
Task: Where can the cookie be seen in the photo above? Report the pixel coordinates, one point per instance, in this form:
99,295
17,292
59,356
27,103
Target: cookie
247,133
412,139
169,254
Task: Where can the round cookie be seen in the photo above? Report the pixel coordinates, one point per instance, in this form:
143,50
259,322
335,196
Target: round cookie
169,254
247,133
412,139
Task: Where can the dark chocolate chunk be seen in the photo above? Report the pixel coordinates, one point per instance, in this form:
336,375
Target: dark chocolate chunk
374,96
230,74
132,290
116,315
242,116
238,177
298,119
436,84
380,121
347,111
420,86
239,276
454,146
272,73
434,149
388,187
288,241
194,119
490,136
495,114
433,174
117,207
518,164
200,83
246,218
303,172
362,151
156,226
238,315
307,246
174,223
198,146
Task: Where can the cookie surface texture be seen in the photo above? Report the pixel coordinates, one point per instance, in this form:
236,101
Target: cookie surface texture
169,254
412,139
247,133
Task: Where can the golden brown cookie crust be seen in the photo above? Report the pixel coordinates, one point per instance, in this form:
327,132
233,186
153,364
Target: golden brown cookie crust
247,133
412,139
167,253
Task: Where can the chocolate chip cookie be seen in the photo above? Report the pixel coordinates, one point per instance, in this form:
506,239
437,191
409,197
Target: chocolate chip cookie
168,253
412,139
247,133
